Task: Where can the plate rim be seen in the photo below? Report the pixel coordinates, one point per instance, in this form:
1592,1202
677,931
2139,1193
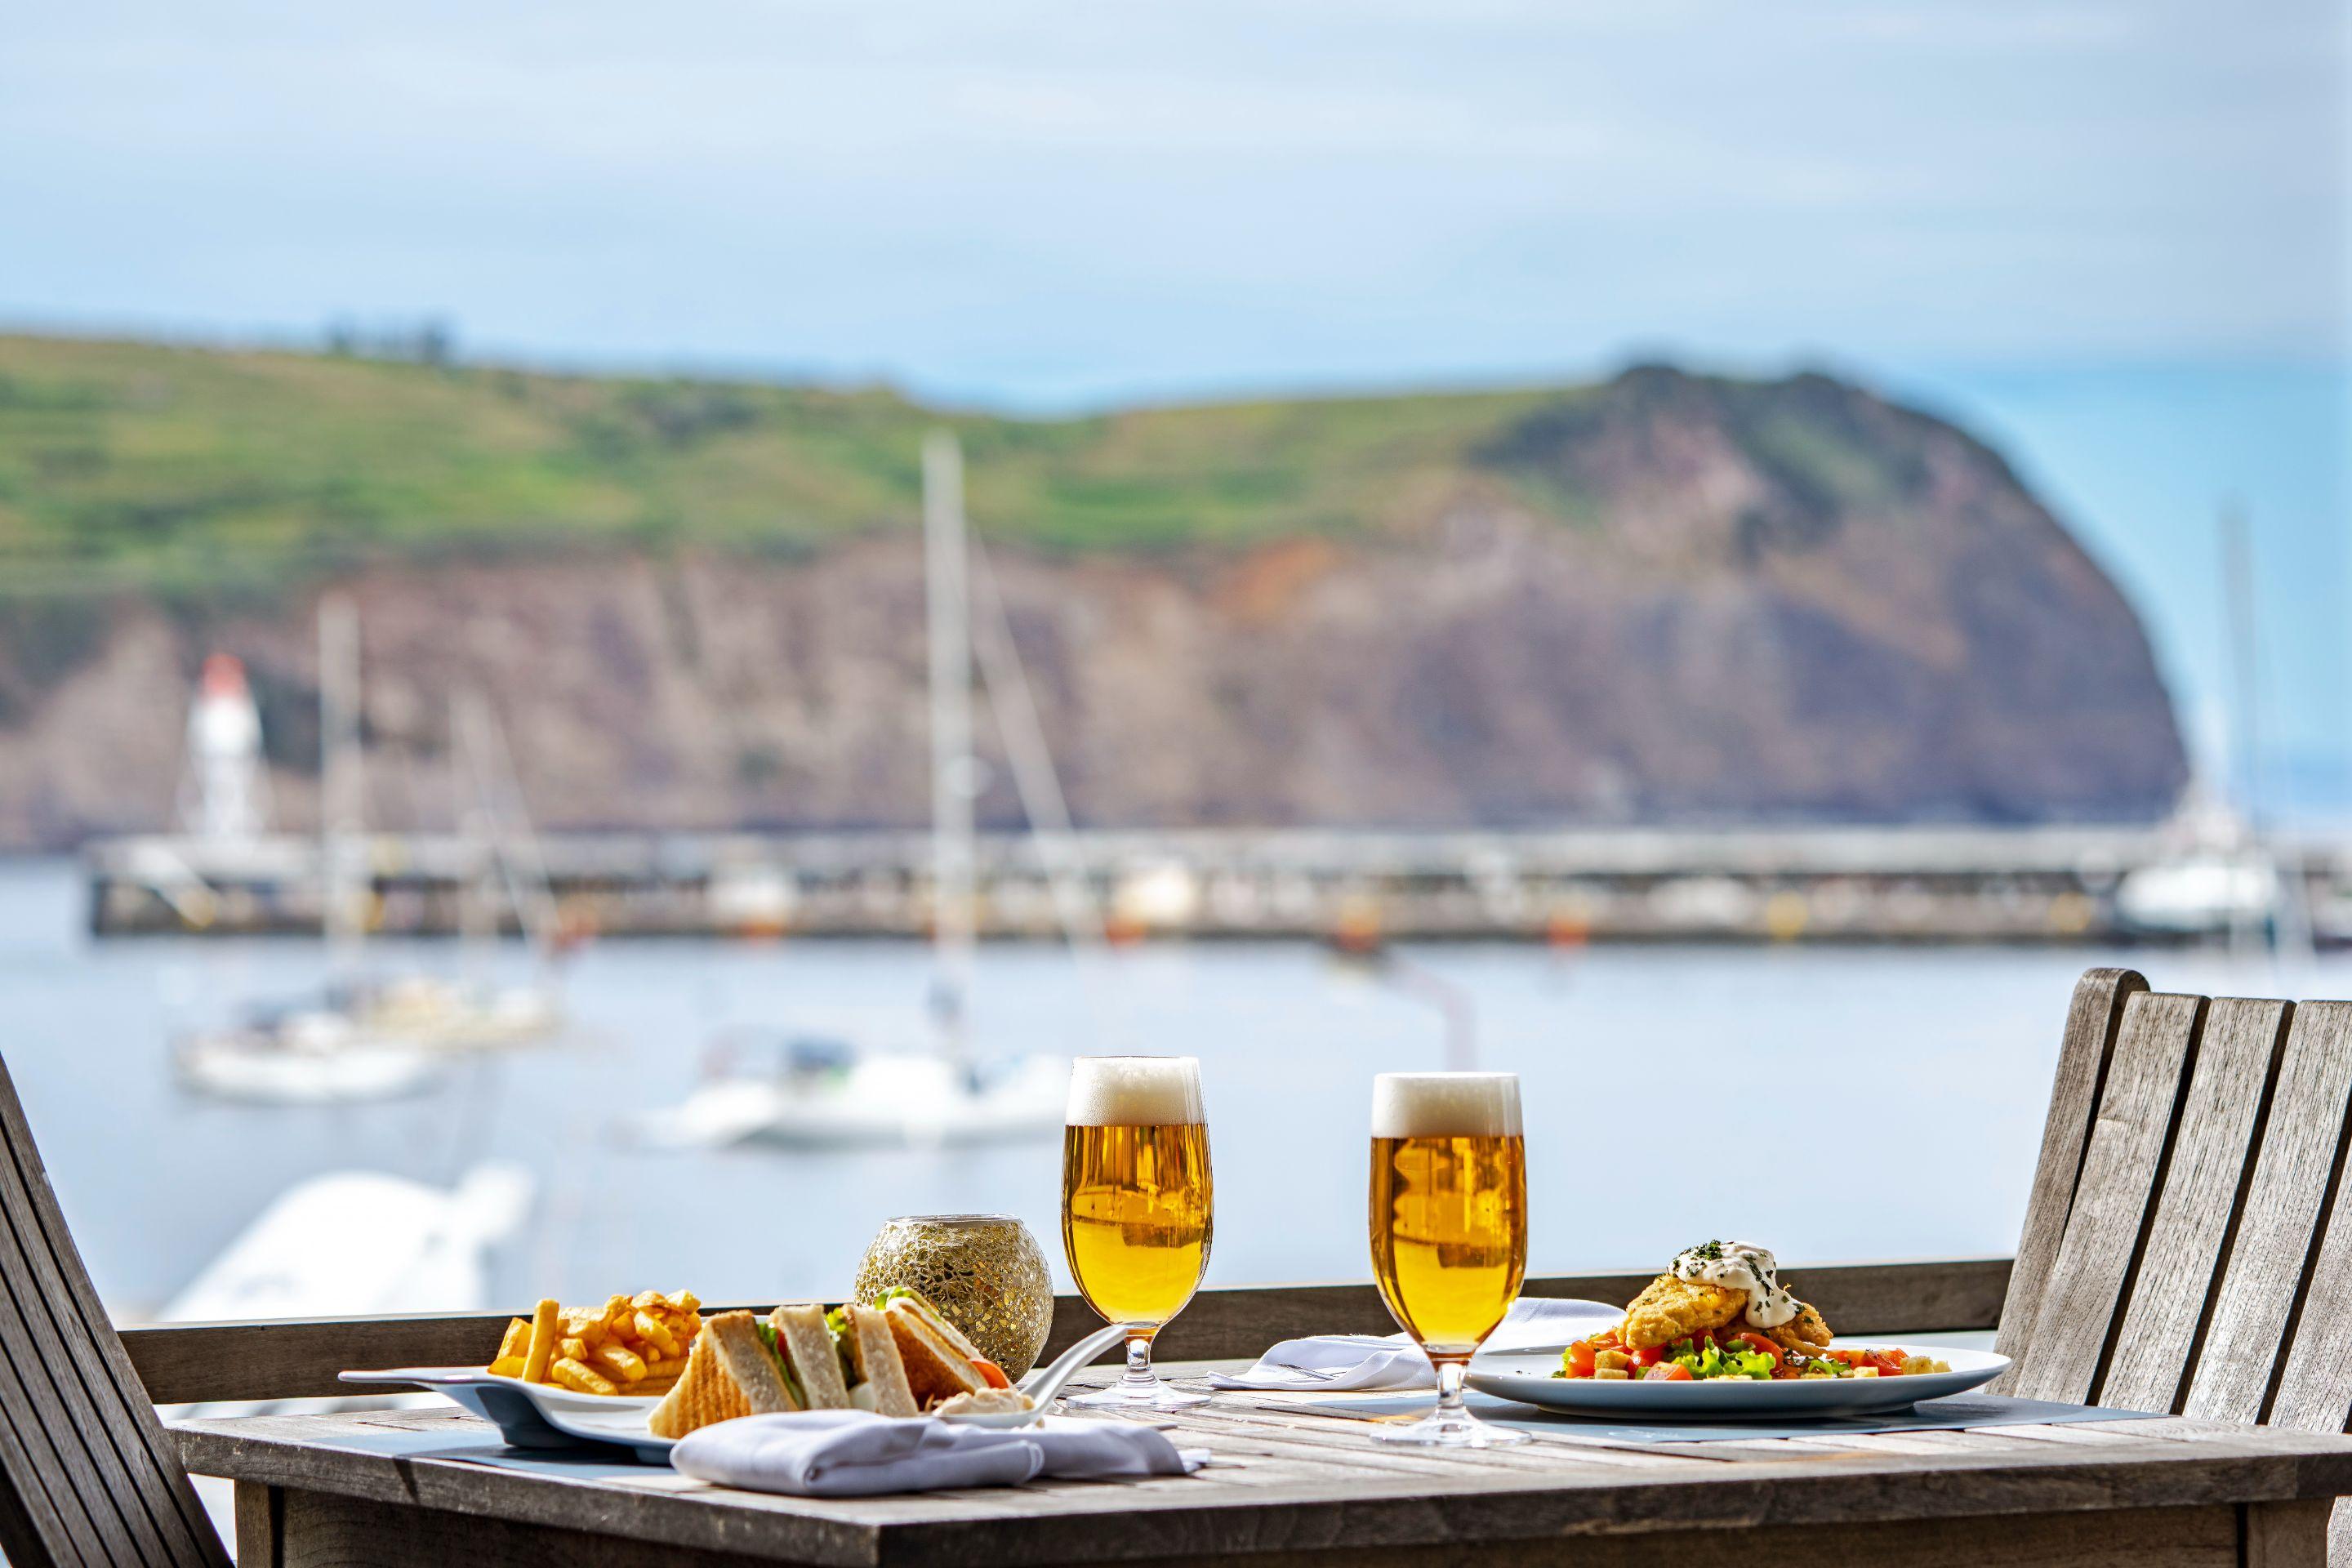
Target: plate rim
538,1393
1747,1394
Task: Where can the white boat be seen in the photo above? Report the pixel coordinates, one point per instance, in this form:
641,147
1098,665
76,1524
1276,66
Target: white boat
370,1040
439,1015
360,1244
304,1058
2217,877
811,1099
2202,894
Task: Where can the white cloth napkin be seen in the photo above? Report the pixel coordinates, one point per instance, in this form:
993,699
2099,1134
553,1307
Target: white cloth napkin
856,1453
1333,1363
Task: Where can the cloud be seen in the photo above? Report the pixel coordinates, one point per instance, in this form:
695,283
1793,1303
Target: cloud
1284,184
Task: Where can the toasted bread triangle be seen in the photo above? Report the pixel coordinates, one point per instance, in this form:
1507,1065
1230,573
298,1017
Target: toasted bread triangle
957,1340
735,1337
705,1394
801,1335
936,1367
873,1360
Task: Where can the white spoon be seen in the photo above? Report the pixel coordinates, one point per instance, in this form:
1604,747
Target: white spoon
1043,1383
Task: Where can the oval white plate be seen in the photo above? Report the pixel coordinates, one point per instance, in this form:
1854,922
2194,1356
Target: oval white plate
537,1415
1526,1376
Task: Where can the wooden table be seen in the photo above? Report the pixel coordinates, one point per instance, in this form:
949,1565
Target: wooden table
1295,1489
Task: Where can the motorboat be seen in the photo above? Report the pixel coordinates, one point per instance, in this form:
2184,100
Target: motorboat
359,1244
815,1092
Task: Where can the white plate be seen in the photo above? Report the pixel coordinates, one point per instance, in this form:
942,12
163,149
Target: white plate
537,1415
1526,1376
607,1423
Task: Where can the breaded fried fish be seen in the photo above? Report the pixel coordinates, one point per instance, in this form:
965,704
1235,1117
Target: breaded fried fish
1672,1309
1804,1332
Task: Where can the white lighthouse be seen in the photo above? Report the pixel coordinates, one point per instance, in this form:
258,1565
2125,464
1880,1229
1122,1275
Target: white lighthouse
228,797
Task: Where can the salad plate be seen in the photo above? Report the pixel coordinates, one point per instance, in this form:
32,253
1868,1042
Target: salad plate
1526,1376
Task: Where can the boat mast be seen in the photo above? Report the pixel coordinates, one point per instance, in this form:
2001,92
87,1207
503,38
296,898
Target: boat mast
2245,682
2288,928
342,784
953,768
496,821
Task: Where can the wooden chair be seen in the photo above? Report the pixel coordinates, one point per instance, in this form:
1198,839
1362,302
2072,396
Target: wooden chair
2186,1249
87,1473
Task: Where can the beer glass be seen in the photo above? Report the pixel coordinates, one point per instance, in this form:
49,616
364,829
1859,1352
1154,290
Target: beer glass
1449,1219
1136,1205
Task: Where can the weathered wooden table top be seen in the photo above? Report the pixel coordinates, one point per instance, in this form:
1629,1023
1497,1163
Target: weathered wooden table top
1286,1479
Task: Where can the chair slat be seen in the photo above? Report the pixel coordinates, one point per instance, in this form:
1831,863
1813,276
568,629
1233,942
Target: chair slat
2074,1328
52,1418
2082,1055
43,1484
2301,1148
90,1375
2315,1385
2212,1159
30,1520
92,1461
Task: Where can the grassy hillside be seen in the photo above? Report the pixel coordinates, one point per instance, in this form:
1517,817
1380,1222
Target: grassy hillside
1785,599
138,465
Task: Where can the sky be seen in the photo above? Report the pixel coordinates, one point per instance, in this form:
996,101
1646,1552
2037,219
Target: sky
2111,236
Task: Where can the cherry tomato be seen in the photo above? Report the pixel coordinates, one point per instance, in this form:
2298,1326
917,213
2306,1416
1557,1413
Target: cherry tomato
989,1370
1758,1342
1579,1359
1650,1357
1667,1372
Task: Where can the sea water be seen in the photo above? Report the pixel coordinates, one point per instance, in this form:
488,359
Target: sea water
1901,1091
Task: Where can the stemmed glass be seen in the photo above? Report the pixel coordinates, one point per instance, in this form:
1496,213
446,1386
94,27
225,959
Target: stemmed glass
1449,1224
1136,1207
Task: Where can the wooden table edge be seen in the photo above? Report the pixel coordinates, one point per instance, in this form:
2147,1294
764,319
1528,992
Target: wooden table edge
2239,1467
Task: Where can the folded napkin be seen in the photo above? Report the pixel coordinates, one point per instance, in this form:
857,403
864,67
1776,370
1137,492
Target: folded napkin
855,1453
1332,1364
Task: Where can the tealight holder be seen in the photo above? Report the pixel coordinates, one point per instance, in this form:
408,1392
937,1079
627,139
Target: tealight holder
983,1271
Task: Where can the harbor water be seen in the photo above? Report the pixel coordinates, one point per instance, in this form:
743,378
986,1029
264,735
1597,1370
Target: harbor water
1898,1093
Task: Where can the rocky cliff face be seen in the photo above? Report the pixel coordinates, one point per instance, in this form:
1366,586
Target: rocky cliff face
1671,598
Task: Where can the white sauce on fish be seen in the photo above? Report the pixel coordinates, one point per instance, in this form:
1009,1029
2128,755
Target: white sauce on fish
1735,1265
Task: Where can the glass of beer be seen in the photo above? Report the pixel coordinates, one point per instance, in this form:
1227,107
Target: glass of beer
1449,1217
1136,1205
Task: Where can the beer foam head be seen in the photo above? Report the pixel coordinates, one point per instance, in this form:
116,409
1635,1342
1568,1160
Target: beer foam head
1135,1092
1445,1105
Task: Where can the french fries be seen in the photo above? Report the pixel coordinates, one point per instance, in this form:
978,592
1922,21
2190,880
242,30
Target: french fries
576,1376
542,1343
630,1344
620,1361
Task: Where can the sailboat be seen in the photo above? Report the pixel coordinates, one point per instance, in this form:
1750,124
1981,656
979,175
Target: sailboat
2224,877
363,1037
815,1089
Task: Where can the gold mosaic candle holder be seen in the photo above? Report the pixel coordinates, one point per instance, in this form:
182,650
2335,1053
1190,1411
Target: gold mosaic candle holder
983,1271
